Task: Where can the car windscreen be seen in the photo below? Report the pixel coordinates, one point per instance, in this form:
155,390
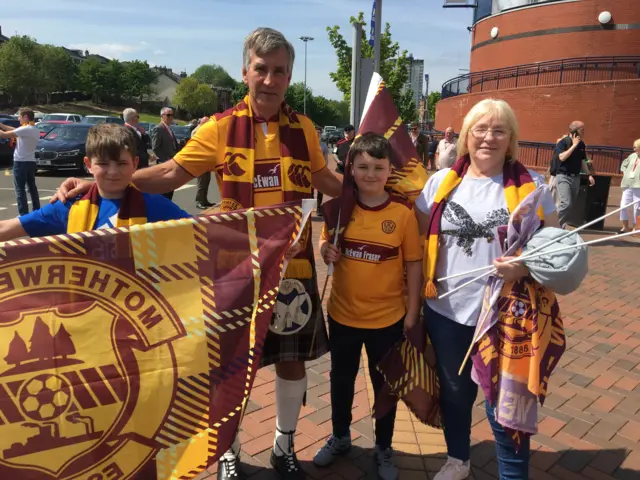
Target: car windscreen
93,120
55,117
180,131
78,134
117,120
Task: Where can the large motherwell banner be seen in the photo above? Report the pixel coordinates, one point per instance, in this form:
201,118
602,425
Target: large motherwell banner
130,353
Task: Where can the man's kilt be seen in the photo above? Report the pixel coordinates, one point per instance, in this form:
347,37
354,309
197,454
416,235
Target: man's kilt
311,341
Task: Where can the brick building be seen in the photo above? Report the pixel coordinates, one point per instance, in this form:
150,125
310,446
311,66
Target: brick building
554,61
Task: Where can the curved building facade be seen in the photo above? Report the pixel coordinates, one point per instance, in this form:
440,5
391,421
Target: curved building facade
554,62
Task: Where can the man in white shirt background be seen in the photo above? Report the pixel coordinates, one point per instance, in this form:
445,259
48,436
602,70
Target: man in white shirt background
24,159
446,154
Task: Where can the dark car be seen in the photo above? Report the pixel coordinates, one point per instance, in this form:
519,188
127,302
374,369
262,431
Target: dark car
63,147
46,127
182,133
334,136
97,119
7,144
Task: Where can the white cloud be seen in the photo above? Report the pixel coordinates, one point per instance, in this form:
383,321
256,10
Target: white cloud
110,50
159,52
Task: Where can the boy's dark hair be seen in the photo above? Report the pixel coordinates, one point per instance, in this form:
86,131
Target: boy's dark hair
107,140
371,143
28,112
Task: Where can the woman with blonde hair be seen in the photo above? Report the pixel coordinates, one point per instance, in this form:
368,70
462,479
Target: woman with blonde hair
460,210
630,184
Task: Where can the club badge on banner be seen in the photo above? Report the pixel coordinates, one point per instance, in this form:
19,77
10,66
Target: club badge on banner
131,353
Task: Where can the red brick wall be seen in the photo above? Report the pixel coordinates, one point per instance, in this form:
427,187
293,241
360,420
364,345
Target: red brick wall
556,46
610,110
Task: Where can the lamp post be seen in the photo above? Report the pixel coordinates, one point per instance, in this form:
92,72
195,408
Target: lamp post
305,40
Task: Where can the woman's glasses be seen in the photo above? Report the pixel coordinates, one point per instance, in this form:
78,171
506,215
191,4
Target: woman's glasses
498,133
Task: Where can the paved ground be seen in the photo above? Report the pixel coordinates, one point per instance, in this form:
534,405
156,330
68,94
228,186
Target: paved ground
589,426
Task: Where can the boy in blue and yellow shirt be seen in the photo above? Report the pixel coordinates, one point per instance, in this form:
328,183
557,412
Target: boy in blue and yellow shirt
111,202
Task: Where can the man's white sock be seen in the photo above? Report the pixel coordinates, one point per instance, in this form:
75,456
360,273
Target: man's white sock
234,451
289,396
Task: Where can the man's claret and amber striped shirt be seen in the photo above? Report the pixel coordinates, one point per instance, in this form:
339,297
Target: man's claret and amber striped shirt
368,283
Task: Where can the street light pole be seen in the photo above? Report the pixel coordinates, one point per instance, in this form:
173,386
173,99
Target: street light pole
305,40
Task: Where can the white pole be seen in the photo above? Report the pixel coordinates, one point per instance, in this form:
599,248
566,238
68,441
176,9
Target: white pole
305,40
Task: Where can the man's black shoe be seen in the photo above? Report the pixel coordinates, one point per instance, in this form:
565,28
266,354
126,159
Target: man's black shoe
202,205
229,469
287,466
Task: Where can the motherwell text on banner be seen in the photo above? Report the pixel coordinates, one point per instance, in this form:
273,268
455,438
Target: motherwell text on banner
130,353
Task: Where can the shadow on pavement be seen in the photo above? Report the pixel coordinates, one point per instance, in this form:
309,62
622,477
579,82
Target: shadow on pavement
562,465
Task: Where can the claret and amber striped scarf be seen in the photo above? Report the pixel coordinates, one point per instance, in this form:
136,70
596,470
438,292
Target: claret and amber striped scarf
295,169
517,185
84,212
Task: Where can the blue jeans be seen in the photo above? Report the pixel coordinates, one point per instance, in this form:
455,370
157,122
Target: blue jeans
24,173
458,395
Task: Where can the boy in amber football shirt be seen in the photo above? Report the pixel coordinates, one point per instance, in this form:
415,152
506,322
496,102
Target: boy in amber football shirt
367,304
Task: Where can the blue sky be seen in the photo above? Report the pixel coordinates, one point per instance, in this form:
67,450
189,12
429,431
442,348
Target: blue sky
185,34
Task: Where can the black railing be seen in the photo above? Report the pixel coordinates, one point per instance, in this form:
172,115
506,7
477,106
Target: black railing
605,160
569,70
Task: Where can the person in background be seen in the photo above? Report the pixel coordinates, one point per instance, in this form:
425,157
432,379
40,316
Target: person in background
131,120
446,153
325,153
433,146
343,147
202,189
163,141
572,159
420,142
630,184
24,159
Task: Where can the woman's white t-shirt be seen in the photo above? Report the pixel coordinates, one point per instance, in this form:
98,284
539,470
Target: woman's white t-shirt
469,238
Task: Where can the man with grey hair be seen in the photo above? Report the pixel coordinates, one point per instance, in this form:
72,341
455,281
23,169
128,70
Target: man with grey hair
571,158
447,152
163,141
131,120
263,153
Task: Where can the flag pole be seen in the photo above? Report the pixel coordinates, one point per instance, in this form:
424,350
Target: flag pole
326,280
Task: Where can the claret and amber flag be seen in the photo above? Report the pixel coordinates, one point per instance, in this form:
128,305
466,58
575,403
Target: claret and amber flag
130,353
408,175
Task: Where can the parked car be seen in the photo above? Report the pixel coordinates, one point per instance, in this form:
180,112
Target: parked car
63,117
148,126
46,127
334,136
97,119
7,145
182,133
63,147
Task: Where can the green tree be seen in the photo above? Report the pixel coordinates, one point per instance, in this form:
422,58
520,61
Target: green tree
195,98
295,97
58,71
432,99
92,79
394,66
20,72
239,92
114,79
139,80
214,75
